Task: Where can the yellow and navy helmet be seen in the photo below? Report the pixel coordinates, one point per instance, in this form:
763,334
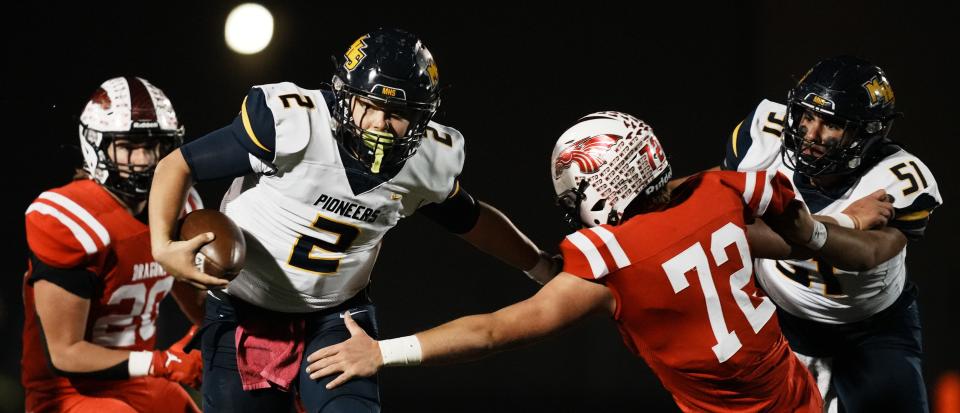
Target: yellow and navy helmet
394,69
851,93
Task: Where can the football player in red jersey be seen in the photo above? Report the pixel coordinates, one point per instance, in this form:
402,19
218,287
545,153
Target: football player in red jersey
92,290
672,268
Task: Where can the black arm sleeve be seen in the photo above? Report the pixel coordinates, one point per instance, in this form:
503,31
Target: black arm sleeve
78,281
458,214
217,154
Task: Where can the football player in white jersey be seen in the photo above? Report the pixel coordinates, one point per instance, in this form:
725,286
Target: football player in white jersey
321,176
857,328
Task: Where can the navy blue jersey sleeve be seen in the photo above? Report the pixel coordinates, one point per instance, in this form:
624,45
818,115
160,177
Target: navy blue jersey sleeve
458,214
217,154
255,126
913,219
223,153
738,144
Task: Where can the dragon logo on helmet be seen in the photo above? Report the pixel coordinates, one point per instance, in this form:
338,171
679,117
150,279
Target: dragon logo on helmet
587,153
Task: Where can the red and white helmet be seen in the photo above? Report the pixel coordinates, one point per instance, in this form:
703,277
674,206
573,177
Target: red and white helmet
131,109
603,163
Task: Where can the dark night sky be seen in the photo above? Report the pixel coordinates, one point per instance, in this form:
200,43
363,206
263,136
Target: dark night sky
516,78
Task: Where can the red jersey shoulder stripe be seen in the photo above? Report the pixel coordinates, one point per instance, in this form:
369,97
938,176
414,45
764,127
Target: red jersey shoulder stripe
597,265
766,179
595,246
78,211
610,240
89,246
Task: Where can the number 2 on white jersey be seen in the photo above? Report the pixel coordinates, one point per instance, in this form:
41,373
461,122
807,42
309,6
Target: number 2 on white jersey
695,258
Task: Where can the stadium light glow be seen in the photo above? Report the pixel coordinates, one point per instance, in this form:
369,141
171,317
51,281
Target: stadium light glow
249,28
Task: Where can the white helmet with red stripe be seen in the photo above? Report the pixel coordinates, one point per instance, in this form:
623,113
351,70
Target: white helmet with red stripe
127,113
603,163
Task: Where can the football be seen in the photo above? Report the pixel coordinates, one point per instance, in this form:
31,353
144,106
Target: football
225,255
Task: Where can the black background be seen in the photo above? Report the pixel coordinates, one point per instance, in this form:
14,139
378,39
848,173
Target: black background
517,77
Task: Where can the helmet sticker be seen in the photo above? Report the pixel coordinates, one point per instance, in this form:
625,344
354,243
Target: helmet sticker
879,91
355,53
388,92
433,72
587,153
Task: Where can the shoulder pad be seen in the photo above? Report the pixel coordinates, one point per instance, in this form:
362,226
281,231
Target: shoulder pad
755,143
63,233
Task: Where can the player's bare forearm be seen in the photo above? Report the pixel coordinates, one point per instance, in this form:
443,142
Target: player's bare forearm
190,300
856,250
495,235
765,243
561,302
63,317
171,181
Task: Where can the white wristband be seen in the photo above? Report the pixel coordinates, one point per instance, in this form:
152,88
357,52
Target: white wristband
403,351
139,363
819,236
545,269
843,220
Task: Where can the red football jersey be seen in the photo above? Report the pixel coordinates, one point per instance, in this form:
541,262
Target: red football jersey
81,226
686,299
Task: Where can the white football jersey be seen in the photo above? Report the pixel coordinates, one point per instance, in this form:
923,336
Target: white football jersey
813,289
313,227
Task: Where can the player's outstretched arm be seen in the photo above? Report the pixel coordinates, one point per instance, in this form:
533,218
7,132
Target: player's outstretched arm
496,235
561,302
171,181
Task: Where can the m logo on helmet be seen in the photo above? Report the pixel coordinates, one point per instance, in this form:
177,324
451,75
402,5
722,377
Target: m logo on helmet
587,153
433,72
355,53
879,91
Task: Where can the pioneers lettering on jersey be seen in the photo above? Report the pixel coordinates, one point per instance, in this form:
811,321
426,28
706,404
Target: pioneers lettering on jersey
316,236
347,209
